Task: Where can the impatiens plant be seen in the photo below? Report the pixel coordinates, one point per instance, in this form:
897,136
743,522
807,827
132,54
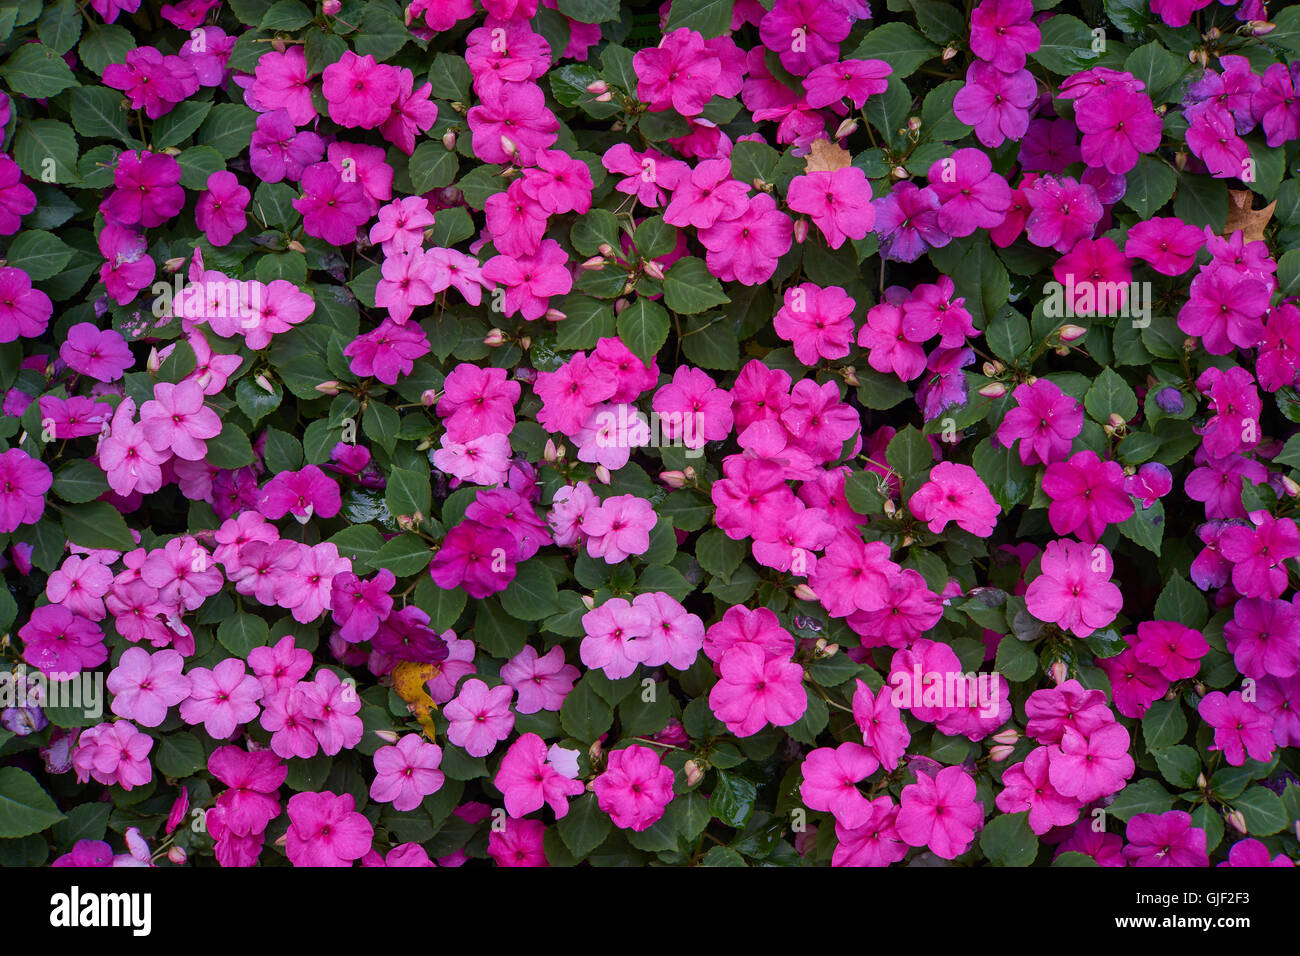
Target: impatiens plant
716,432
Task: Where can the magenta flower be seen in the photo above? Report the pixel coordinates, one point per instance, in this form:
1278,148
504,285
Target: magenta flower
332,208
635,787
478,558
838,202
1165,839
1046,421
360,92
996,103
148,190
113,753
1257,554
678,74
280,82
1074,591
1091,767
254,778
956,493
16,200
103,355
818,321
407,773
1002,33
1171,648
830,779
611,640
746,249
23,483
220,211
387,352
518,843
531,280
277,150
1087,495
56,641
756,690
619,528
512,120
883,731
940,812
24,311
527,780
1241,729
1027,786
1118,125
852,80
326,830
302,493
971,195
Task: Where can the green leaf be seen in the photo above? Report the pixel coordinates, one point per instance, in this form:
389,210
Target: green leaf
1263,810
41,140
231,449
1202,201
97,524
584,827
1181,601
532,594
1066,46
451,78
37,71
1180,765
899,45
197,164
1000,469
177,125
1007,840
39,253
709,18
1008,335
1141,796
1146,526
732,800
180,755
643,326
24,807
286,15
1164,724
403,555
408,492
939,21
359,543
60,26
909,454
86,821
97,111
227,129
443,607
108,43
1110,394
432,166
79,481
1150,185
1156,67
241,632
709,341
586,322
689,288
584,713
381,424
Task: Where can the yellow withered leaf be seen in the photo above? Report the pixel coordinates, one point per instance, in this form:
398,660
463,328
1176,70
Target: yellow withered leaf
826,157
409,680
1241,216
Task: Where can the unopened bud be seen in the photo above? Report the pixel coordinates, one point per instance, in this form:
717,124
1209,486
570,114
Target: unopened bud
1059,672
589,601
596,87
595,752
331,7
526,341
177,855
992,369
1201,782
387,736
1180,160
948,53
804,593
449,140
1008,736
548,453
328,388
429,397
296,246
603,475
801,230
993,390
594,264
494,338
1213,34
1292,489
278,45
1116,420
1199,688
689,472
406,522
628,287
606,250
155,361
605,97
693,772
264,384
619,305
889,508
1069,333
850,376
653,269
1000,752
898,172
1259,28
507,146
846,128
673,479
914,124
172,151
1237,820
173,266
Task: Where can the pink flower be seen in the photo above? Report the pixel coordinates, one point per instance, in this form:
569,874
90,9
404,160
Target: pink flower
693,408
1002,33
177,420
387,352
838,202
1165,839
540,681
360,92
518,843
1087,495
23,483
956,493
646,175
1257,554
326,830
1088,768
221,699
1063,212
80,584
971,195
277,150
144,685
1074,591
678,74
332,207
302,493
1248,853
755,690
1046,420
513,113
635,787
830,778
220,211
818,321
24,311
1118,125
1240,728
401,225
611,637
148,190
1264,638
673,636
280,82
853,575
881,723
875,843
527,780
854,80
1171,648
746,249
476,557
59,642
940,812
1226,309
1027,786
558,183
480,717
619,528
531,280
996,103
103,355
407,773
412,112
16,200
152,82
114,753
254,778
280,665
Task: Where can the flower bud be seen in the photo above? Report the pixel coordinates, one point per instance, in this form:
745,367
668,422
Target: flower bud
331,7
172,151
526,342
387,736
296,246
850,376
689,472
1170,400
846,128
1260,28
405,522
155,361
606,97
508,146
177,855
328,388
889,508
449,140
1116,420
606,250
594,264
693,772
628,287
596,87
1199,688
949,52
494,338
1292,489
619,305
553,315
590,601
1008,736
830,650
548,453
603,475
804,593
673,479
1000,752
429,397
1201,782
898,172
800,230
278,45
653,269
1059,672
1069,333
993,390
595,752
173,266
1237,820
264,384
